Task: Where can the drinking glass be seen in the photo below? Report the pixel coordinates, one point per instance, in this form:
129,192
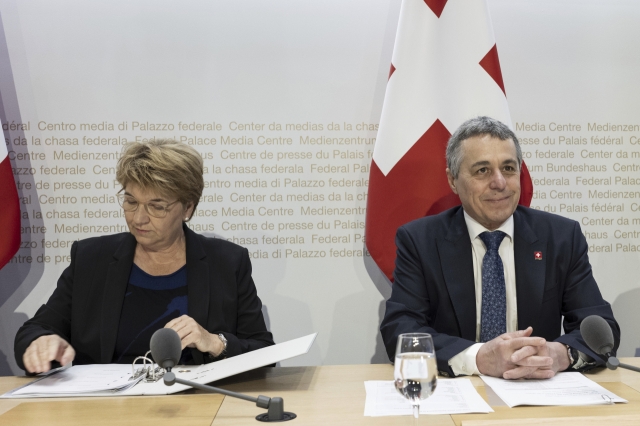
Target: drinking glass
415,370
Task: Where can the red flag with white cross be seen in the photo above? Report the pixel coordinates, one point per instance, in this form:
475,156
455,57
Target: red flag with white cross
444,71
9,209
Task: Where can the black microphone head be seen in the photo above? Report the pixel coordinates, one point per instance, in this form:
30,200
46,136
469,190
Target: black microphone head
166,347
597,333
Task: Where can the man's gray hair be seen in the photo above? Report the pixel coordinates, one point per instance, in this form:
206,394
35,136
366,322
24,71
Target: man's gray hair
478,126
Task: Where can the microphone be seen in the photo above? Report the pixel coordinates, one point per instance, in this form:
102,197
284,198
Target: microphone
597,334
166,349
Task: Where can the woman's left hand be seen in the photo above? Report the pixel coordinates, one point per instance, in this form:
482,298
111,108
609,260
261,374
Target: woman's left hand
192,335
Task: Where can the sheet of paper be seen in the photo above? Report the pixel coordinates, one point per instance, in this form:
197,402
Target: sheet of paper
452,396
562,389
81,379
104,378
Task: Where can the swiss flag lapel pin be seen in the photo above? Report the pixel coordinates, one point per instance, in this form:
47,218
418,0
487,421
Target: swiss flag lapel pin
537,255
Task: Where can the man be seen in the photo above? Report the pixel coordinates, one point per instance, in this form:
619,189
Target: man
491,280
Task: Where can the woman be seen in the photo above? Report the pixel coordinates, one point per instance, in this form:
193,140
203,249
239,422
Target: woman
119,289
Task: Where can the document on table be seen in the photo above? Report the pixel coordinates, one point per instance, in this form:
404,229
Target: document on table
452,396
81,379
562,389
113,379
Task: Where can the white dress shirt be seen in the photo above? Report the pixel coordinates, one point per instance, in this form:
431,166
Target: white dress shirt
464,363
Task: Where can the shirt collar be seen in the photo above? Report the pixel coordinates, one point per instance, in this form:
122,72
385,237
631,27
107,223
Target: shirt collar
476,229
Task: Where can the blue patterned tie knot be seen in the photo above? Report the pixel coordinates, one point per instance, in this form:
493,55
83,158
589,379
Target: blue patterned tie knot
493,321
492,240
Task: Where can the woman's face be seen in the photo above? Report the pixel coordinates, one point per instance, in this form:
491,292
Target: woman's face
155,233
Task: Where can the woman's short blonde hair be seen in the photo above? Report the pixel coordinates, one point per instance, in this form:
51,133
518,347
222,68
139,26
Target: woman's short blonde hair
166,166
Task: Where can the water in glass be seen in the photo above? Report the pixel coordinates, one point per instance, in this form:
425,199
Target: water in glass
415,369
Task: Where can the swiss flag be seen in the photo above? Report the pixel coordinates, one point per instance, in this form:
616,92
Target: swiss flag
9,209
444,71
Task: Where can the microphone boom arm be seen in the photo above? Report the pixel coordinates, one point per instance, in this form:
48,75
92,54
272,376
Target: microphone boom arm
613,363
274,406
261,401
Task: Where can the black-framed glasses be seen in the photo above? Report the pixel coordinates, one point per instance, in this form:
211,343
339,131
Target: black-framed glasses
157,209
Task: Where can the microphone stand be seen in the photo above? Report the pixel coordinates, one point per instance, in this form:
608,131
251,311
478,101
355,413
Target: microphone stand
275,405
613,363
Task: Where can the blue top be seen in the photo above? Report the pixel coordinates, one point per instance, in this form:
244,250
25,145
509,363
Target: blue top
150,302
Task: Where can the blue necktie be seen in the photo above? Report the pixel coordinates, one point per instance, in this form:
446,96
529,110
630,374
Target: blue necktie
493,320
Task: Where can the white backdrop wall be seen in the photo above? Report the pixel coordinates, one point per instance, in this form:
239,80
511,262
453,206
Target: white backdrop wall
282,99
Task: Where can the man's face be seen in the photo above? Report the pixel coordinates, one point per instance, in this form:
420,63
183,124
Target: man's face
489,180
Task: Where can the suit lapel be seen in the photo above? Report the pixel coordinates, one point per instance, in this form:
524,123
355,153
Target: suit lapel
457,266
530,273
197,285
114,291
197,279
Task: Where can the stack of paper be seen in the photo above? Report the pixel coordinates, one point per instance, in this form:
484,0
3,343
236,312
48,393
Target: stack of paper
562,389
450,397
81,379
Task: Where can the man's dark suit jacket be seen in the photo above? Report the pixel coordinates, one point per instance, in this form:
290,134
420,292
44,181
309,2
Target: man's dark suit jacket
85,307
434,290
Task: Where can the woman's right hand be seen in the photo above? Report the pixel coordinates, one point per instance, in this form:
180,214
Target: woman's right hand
38,356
